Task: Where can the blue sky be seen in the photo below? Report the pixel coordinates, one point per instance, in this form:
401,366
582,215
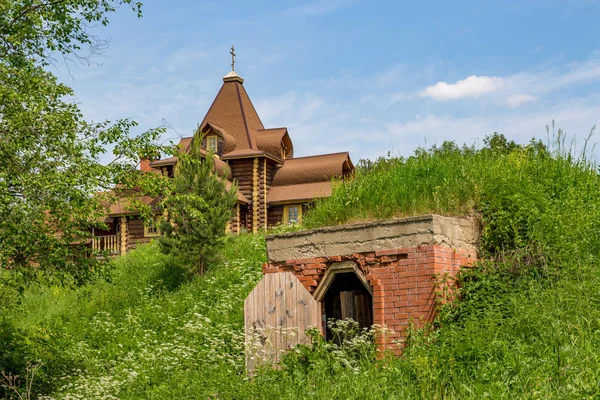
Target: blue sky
364,76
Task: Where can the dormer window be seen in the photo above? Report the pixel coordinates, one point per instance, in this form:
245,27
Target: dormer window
211,143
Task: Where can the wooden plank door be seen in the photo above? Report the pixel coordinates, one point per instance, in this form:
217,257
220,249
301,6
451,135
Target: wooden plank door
276,315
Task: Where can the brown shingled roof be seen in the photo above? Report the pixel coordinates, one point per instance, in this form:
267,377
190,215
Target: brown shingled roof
164,161
229,141
123,205
300,193
222,168
184,143
312,169
270,140
243,153
235,113
219,166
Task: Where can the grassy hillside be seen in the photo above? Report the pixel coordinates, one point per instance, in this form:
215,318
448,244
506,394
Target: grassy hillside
148,333
527,324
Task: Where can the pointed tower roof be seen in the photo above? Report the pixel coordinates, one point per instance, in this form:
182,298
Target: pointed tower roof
234,112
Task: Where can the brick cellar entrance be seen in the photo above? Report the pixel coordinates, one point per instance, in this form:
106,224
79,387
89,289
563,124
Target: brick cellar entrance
345,293
389,273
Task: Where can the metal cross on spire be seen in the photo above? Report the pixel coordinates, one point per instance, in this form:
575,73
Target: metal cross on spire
232,52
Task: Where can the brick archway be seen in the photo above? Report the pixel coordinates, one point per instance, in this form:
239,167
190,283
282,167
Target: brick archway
345,293
339,268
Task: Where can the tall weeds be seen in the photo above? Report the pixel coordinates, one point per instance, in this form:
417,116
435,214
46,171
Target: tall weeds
538,196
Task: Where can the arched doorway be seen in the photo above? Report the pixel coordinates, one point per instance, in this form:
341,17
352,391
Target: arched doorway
346,294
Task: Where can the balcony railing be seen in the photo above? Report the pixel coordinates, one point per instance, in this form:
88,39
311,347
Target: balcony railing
110,243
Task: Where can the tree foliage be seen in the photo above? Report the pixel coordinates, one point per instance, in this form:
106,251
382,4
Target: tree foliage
200,208
52,180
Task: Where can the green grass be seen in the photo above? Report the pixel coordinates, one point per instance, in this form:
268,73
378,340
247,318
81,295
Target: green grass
524,195
527,324
138,334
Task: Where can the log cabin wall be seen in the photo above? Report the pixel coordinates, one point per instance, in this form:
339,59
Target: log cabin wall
241,171
306,207
262,193
235,221
243,218
269,168
135,233
255,196
275,215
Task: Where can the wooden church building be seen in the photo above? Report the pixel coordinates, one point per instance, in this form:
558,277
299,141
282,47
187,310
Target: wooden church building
273,186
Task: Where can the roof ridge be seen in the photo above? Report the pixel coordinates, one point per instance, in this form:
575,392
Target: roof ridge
272,129
239,96
253,108
321,155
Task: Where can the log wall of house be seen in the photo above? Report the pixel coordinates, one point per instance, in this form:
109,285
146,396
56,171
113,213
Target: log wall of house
255,196
135,233
273,167
243,218
269,167
235,221
241,171
262,193
306,207
275,215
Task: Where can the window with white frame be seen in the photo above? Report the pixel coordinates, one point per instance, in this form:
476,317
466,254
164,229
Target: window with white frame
212,143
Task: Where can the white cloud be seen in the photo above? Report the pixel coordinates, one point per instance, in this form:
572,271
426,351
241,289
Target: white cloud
575,116
516,100
518,89
472,86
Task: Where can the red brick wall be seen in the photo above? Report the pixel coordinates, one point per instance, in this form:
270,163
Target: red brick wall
407,283
145,165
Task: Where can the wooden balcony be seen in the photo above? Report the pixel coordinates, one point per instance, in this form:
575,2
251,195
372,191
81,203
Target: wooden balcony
108,243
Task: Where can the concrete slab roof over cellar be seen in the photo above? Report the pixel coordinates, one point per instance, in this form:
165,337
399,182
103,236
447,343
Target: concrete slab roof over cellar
454,232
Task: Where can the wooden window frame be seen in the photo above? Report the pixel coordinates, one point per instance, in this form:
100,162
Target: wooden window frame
283,151
152,229
208,140
286,212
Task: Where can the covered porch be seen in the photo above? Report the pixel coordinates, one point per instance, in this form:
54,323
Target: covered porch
113,240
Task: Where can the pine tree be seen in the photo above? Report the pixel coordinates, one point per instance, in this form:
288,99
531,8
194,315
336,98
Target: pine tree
199,210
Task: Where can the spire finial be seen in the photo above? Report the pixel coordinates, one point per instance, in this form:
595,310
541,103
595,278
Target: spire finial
232,52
